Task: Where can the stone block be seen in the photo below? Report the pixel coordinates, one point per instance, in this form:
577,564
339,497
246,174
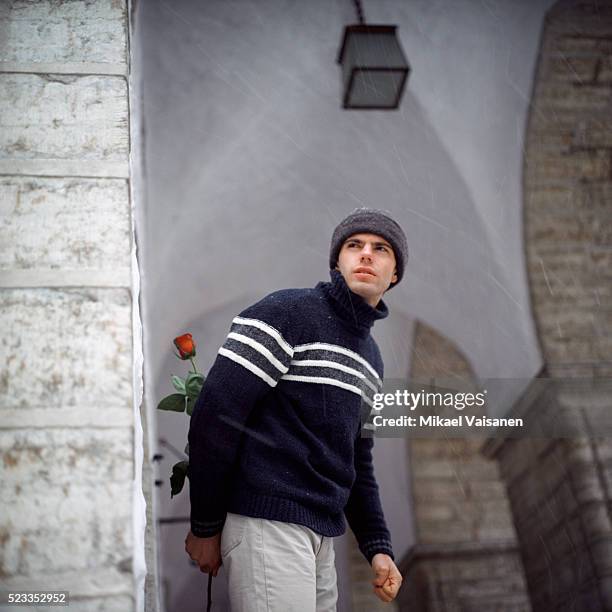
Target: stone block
557,317
596,196
478,469
65,347
587,487
488,490
565,198
537,486
433,469
519,455
62,117
602,370
580,99
442,532
54,31
604,73
605,592
439,512
64,223
595,521
426,491
95,584
602,326
570,69
495,529
539,200
548,137
581,45
569,349
58,458
121,603
600,261
456,582
602,234
572,370
604,448
566,324
67,499
103,539
582,294
593,133
584,165
603,347
571,227
457,449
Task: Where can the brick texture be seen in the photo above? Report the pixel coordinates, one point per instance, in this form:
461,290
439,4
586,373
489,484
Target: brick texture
466,554
559,489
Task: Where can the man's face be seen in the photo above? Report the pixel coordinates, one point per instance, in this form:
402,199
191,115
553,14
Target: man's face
367,263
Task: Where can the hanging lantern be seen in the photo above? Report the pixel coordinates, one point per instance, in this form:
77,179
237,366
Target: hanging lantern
374,67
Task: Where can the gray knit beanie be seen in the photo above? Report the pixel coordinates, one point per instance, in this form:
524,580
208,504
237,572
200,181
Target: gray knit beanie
371,221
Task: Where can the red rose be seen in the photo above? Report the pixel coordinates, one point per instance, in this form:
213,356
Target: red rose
186,346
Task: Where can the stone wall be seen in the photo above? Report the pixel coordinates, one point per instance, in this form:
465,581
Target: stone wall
66,306
561,489
568,190
466,554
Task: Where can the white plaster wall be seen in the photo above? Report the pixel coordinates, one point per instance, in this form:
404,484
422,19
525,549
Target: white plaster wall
251,162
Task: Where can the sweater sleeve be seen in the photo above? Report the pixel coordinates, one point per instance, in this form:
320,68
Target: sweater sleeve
363,510
251,361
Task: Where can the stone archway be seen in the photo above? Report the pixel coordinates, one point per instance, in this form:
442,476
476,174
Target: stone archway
560,489
466,554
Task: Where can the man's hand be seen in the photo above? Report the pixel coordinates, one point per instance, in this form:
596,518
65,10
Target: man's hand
205,552
388,578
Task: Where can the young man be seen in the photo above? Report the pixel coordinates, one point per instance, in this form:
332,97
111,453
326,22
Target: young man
276,454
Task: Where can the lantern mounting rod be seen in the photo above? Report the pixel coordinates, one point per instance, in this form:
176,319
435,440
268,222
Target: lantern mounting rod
374,66
359,11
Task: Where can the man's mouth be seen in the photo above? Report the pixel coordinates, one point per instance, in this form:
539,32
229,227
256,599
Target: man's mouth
364,271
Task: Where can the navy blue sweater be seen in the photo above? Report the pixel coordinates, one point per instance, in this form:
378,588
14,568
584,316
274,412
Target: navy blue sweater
276,430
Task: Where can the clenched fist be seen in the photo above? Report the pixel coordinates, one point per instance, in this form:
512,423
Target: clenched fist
205,552
388,578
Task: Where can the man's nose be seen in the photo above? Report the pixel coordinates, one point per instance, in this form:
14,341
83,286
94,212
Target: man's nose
366,251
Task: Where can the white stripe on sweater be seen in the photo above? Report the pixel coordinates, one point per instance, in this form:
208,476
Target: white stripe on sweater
337,349
260,348
320,380
322,363
269,330
245,363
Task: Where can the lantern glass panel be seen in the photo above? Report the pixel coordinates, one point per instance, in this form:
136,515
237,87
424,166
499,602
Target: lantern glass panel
375,50
375,88
374,68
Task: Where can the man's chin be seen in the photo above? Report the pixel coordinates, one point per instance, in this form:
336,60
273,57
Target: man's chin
363,288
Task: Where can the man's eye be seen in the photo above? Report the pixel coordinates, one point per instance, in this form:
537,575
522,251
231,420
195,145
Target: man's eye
384,248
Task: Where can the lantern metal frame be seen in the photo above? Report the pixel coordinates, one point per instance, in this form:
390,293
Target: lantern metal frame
364,28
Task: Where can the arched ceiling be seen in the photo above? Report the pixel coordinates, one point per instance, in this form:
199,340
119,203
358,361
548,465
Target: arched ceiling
251,162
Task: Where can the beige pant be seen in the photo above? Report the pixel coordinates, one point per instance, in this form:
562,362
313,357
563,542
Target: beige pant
277,567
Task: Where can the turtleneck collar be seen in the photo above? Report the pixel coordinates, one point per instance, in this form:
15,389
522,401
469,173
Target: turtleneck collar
350,306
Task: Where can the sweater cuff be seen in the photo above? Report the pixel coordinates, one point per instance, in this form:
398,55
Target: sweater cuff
207,529
373,547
